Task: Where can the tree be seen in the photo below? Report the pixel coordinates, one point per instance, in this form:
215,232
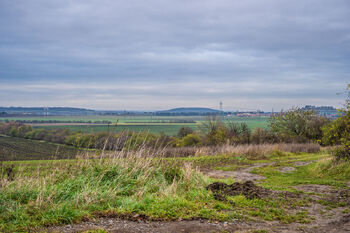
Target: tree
297,125
238,132
213,130
338,131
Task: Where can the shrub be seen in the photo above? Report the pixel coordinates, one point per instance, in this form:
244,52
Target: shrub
341,153
261,136
184,131
338,131
190,140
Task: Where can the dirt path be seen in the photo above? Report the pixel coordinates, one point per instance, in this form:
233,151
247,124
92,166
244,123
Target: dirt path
323,219
240,175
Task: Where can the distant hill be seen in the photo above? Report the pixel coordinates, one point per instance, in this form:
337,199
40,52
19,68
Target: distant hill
189,111
45,111
186,110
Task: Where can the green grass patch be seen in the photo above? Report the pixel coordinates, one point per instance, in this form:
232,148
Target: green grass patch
322,172
330,168
120,186
270,209
45,193
168,129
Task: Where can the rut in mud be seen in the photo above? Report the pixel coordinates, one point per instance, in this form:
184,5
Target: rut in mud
248,189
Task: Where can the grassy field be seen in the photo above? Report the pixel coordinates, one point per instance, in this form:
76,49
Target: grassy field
121,119
153,124
22,149
169,129
42,194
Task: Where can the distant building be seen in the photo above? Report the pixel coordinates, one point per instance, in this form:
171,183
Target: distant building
326,111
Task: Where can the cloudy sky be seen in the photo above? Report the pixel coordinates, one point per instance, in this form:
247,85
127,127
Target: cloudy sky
159,54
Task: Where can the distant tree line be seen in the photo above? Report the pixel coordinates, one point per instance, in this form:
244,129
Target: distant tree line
165,121
58,121
101,140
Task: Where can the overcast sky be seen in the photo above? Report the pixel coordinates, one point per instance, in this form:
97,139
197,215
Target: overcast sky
159,54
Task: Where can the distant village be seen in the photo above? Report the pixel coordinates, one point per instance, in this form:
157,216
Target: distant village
326,111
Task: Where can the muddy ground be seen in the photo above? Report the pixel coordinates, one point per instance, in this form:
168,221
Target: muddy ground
324,218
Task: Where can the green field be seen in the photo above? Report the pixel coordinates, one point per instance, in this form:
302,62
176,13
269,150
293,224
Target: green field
121,119
254,121
169,129
153,124
23,149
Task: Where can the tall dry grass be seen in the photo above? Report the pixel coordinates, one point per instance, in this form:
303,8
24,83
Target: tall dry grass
64,191
252,150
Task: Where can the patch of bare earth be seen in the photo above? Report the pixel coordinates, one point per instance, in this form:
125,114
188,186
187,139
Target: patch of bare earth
327,219
287,169
314,188
124,226
296,164
301,163
241,175
193,226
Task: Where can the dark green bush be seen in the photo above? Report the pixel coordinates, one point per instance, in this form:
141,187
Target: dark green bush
190,140
184,131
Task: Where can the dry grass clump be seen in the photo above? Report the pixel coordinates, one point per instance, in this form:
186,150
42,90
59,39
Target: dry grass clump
136,182
252,150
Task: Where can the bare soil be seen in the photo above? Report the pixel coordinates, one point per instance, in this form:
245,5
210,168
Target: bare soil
301,163
314,188
287,169
242,175
237,175
248,189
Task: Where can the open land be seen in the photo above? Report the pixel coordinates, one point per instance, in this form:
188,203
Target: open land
153,124
283,192
12,148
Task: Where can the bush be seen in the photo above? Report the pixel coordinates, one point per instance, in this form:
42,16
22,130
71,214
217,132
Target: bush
190,140
341,153
184,131
338,131
261,136
238,133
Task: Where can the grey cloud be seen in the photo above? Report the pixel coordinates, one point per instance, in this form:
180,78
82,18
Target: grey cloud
282,49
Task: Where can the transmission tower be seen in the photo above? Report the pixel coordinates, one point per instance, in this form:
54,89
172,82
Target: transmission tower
46,111
221,106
